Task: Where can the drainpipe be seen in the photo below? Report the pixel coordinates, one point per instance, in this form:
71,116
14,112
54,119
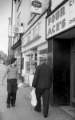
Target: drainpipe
11,18
49,8
12,27
21,34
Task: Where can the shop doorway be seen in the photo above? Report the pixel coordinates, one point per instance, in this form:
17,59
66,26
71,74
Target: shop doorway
61,71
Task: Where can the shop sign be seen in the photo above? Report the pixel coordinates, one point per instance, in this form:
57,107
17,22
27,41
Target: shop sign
62,19
36,3
36,7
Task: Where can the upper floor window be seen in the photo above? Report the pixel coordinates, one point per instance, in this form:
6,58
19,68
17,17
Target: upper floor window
29,36
36,30
19,3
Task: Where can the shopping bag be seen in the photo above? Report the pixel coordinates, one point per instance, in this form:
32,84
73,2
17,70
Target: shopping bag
20,85
33,98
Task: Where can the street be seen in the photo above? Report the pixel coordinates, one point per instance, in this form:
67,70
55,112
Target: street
23,109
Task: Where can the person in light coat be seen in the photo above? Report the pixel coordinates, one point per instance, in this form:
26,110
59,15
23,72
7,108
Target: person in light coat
12,74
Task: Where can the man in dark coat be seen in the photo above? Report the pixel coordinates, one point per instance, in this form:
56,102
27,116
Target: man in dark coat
42,82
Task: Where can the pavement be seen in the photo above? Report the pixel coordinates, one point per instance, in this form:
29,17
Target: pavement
70,110
55,113
24,110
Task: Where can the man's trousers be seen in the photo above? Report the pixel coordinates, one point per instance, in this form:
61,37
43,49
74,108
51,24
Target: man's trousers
45,94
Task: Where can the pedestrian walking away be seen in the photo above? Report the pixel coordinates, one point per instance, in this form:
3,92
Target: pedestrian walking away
42,83
12,74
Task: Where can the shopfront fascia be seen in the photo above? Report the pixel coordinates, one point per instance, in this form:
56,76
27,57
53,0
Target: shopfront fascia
61,20
61,25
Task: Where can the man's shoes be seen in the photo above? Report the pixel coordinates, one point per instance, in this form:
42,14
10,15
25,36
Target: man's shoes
45,116
8,105
12,103
37,110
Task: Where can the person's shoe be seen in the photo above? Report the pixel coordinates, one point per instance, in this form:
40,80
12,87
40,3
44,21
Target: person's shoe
8,105
45,116
37,110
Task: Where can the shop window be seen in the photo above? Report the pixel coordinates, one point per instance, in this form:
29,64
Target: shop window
33,61
33,67
43,55
22,63
36,30
28,66
35,56
43,59
29,37
44,51
19,64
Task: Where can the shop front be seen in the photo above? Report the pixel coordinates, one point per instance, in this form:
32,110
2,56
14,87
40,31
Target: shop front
34,48
61,43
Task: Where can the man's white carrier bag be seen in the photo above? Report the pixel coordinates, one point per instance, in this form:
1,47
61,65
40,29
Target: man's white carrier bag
33,98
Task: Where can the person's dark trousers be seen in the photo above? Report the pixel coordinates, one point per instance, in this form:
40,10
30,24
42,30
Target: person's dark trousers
8,98
45,94
46,101
13,98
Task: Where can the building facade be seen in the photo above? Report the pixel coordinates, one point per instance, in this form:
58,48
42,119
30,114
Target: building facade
17,31
10,51
29,34
60,31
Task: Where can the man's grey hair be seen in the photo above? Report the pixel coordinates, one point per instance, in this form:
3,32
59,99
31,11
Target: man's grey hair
44,60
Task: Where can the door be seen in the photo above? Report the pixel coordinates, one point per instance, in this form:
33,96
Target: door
72,97
61,70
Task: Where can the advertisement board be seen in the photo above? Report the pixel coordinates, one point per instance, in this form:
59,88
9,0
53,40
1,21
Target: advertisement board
62,19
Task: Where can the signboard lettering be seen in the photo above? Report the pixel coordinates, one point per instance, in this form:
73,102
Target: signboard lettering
71,2
56,27
61,19
57,15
